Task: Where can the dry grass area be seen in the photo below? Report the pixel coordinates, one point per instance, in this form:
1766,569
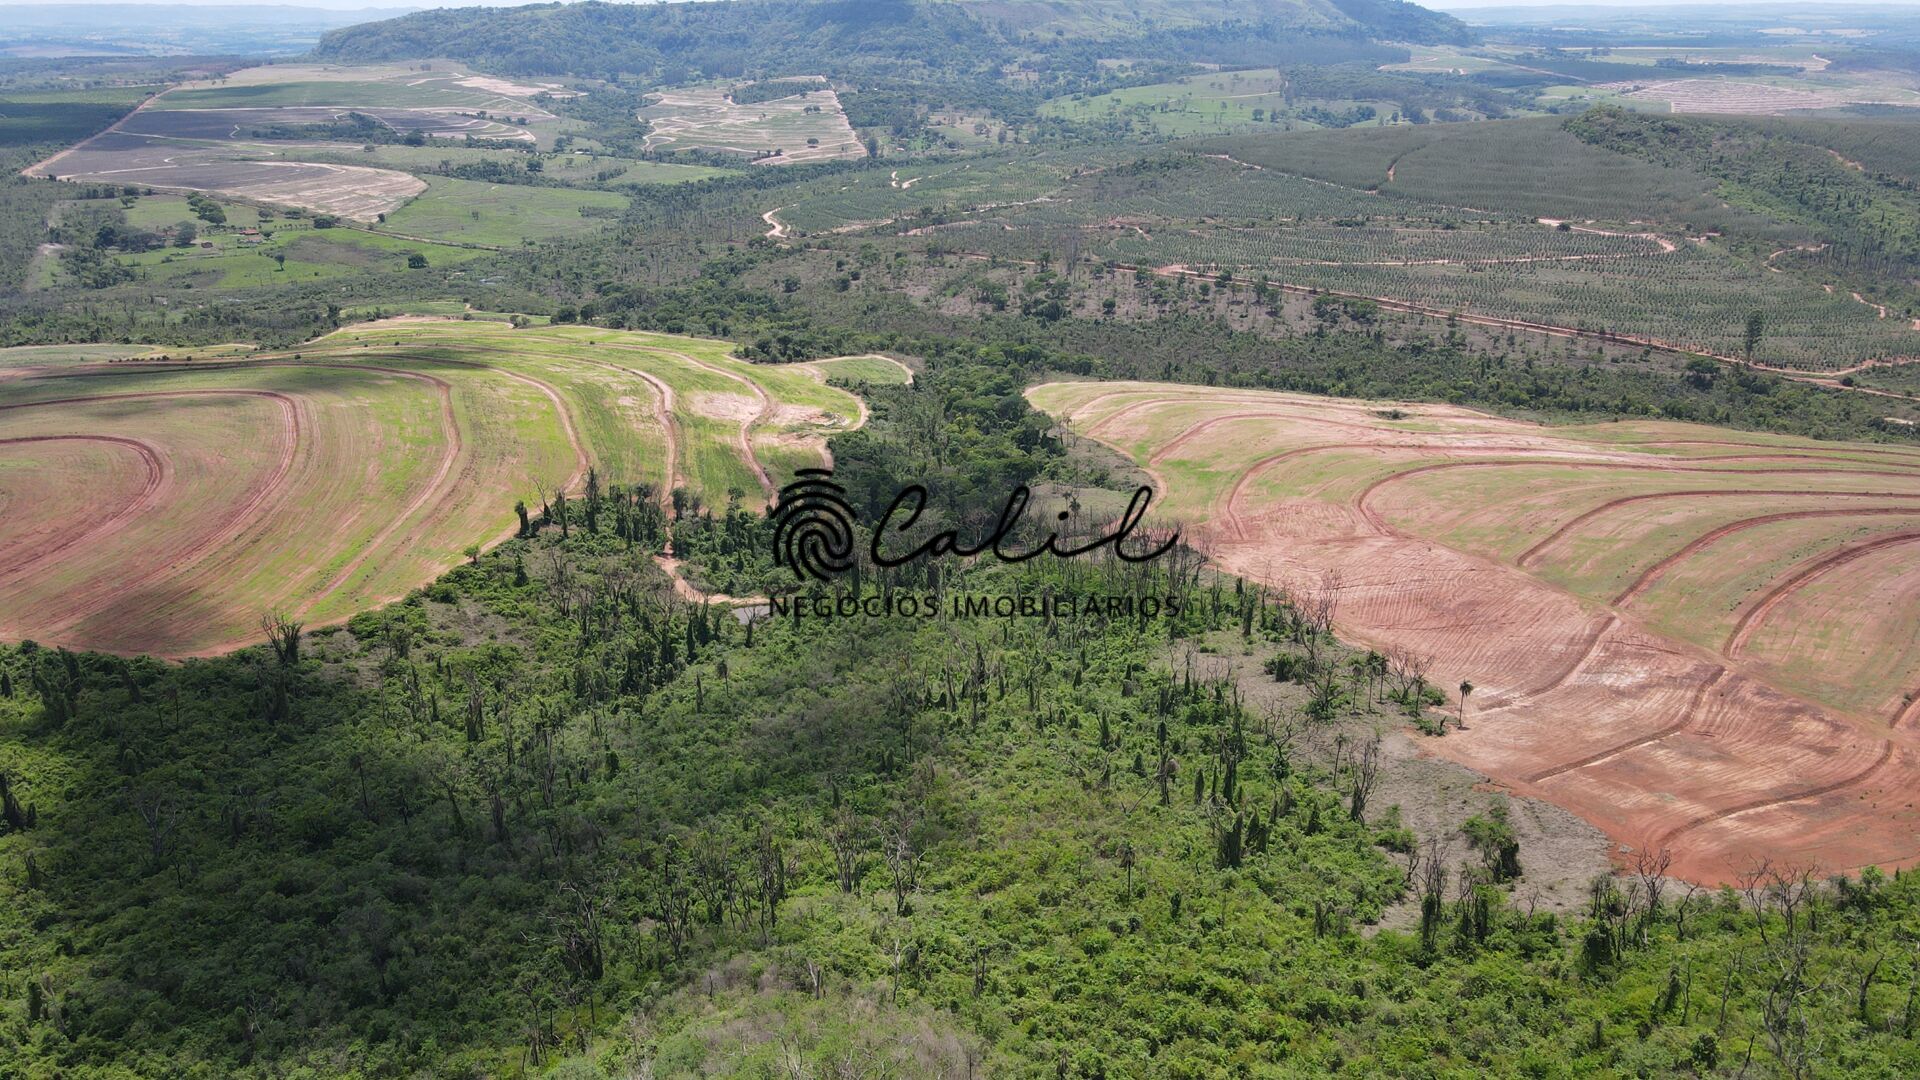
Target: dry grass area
1696,639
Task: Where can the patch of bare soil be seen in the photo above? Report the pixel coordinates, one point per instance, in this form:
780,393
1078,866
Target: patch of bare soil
733,407
1559,853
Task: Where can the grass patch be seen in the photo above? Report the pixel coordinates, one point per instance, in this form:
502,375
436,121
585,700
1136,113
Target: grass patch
502,215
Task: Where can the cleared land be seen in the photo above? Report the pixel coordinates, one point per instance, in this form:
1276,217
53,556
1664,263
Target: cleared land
878,370
807,126
1697,639
240,170
1763,97
177,501
211,136
427,84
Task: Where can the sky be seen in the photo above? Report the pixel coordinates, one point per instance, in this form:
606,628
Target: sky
1438,5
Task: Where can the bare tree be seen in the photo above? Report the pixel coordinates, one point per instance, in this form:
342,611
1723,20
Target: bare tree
1785,1010
1366,775
1650,867
1319,604
1407,673
283,634
900,845
846,835
159,811
1433,888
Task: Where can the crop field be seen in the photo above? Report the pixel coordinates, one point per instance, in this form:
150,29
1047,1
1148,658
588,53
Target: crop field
251,250
808,126
500,215
42,356
574,167
1529,167
289,254
159,122
877,370
238,170
1692,637
54,116
1441,60
178,500
1732,96
1210,104
948,191
424,85
205,136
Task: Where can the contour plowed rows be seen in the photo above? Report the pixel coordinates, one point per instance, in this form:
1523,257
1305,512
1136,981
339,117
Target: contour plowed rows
1695,639
163,507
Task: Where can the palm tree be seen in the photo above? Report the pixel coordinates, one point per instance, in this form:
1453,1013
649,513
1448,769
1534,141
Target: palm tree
1466,690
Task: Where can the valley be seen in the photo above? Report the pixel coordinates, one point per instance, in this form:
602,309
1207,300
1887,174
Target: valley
453,463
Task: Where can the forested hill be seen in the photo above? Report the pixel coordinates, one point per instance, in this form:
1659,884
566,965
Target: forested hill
728,37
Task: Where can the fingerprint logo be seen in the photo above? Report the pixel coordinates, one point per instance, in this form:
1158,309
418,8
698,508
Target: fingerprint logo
813,526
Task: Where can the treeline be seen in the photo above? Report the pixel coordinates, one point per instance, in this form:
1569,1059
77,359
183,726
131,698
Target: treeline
1398,357
773,89
273,317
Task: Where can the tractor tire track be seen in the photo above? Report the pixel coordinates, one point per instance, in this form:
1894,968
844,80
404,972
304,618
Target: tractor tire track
1666,839
1360,502
1532,554
159,478
1757,613
1907,711
745,441
1659,569
231,522
1686,718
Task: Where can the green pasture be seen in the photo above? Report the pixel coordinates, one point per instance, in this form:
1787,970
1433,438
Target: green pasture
502,215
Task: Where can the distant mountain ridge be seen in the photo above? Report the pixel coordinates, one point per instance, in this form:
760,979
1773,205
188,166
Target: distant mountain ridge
725,38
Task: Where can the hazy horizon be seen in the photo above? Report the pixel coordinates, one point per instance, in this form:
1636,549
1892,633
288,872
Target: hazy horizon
1437,5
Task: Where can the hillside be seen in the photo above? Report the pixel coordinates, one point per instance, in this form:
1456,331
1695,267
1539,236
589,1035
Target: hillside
890,36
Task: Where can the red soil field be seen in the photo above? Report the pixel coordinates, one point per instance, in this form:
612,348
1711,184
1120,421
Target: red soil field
1702,641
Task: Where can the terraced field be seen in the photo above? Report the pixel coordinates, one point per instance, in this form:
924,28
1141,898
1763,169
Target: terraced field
175,501
1698,639
808,126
